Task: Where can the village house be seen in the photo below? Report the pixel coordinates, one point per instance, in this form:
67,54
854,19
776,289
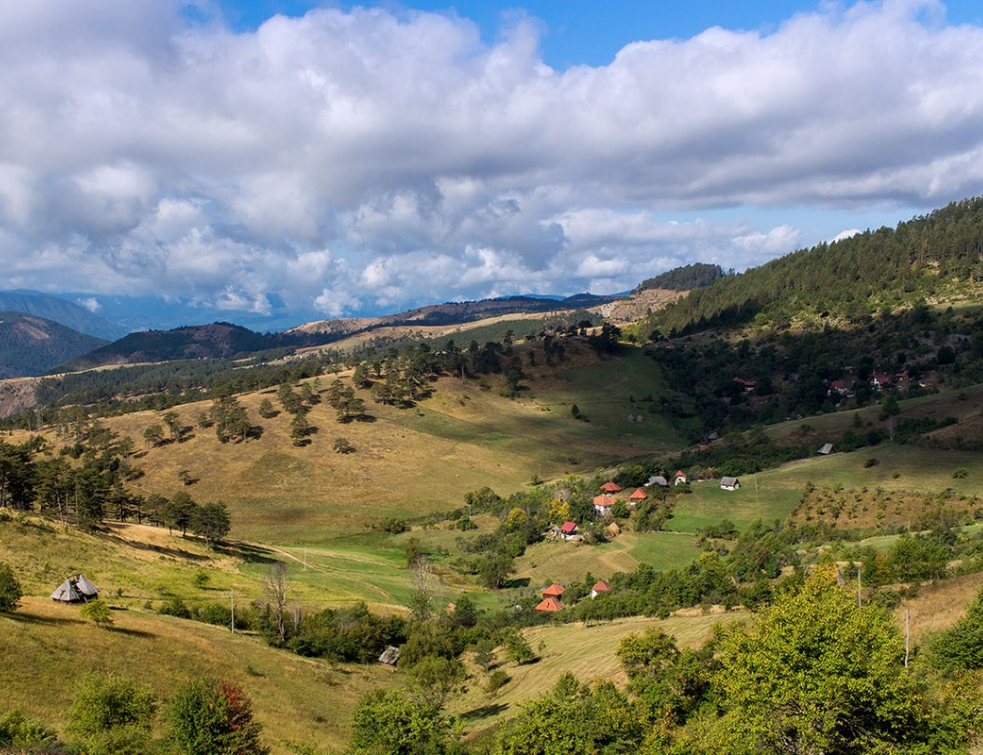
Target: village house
599,587
729,483
657,480
603,504
747,385
679,478
881,381
568,530
551,598
637,497
826,449
611,487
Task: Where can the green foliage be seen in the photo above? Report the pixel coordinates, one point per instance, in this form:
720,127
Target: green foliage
518,649
104,702
97,611
496,680
434,678
816,673
210,521
574,719
20,733
686,278
10,590
389,722
212,717
266,409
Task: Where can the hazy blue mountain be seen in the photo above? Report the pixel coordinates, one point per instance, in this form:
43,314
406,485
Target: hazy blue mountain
63,311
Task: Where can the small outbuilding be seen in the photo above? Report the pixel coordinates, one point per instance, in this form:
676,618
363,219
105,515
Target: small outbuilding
637,496
657,480
827,449
729,483
568,530
390,656
75,589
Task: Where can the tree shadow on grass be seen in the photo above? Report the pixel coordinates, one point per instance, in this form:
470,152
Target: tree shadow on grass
251,553
162,549
130,632
485,711
31,618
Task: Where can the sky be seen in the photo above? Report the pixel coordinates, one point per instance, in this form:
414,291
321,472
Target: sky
326,159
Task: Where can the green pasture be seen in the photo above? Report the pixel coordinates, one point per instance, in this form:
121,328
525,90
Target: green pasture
773,494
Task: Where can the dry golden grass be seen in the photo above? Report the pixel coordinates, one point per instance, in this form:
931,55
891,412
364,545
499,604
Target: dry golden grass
939,605
47,648
586,652
407,462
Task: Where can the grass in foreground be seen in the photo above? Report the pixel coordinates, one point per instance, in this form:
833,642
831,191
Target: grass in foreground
47,647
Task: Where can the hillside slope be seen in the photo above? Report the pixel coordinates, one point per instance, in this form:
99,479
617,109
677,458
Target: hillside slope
30,345
936,258
67,313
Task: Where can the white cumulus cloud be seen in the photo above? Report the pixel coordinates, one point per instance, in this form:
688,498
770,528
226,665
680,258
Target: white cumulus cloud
350,159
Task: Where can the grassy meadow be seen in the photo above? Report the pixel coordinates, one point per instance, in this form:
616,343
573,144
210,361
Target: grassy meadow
586,652
407,461
47,647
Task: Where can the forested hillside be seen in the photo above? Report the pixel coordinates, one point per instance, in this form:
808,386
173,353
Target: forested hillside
686,278
30,345
939,256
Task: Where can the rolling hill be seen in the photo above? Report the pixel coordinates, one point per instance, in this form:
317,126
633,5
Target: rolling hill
30,345
67,313
937,258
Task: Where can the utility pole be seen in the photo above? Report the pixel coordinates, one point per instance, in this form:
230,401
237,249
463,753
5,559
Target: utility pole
232,600
858,584
907,637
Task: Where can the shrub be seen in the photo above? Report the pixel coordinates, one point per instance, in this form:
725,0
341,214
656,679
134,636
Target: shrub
18,731
212,717
10,591
97,612
105,702
175,607
496,680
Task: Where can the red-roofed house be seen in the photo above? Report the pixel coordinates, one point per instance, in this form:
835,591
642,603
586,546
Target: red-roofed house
611,487
600,587
549,604
568,529
747,385
881,380
638,495
553,591
603,504
679,478
839,387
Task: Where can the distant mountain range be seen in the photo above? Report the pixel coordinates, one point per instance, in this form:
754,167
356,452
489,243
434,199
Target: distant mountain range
62,311
30,345
225,340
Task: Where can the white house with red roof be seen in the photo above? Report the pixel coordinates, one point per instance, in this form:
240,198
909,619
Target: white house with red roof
603,504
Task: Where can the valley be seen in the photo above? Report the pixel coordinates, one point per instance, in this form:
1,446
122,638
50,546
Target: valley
407,487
